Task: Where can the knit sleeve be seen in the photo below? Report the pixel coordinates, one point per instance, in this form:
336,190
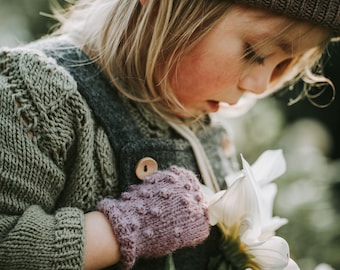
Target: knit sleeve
34,232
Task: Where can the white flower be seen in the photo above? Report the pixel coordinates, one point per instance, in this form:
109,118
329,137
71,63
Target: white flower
292,265
247,204
323,266
272,254
269,166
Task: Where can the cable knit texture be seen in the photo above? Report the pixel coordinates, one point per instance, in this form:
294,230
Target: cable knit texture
322,12
55,163
165,213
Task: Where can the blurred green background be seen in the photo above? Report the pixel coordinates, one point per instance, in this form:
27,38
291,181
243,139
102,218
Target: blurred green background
309,192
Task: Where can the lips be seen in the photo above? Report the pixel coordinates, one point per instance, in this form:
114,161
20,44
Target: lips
213,105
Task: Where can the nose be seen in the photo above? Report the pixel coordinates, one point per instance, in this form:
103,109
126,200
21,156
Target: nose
256,79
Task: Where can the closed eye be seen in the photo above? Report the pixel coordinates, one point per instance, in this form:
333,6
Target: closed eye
251,56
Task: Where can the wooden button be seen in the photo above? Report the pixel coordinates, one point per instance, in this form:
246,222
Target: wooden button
145,167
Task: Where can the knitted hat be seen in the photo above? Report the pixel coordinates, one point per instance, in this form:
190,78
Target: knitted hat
321,12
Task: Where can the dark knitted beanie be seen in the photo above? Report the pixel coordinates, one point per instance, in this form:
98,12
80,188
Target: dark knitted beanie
322,12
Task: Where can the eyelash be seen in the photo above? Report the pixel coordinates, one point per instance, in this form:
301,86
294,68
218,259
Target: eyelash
251,56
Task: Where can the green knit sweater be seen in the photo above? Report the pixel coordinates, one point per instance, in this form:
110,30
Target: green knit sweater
56,162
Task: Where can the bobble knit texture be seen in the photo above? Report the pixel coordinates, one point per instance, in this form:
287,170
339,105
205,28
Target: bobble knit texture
321,12
165,213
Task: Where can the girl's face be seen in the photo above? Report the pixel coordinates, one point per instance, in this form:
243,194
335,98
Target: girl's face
227,63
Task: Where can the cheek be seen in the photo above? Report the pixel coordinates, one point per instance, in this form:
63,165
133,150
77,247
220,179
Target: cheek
208,74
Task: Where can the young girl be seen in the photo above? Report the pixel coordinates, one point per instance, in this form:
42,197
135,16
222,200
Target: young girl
106,126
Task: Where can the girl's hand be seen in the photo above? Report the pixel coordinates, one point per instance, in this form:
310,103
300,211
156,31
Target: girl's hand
164,213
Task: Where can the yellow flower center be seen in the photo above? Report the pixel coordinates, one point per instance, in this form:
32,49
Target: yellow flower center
235,252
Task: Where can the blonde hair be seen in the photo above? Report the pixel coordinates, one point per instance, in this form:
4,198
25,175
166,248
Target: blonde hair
136,45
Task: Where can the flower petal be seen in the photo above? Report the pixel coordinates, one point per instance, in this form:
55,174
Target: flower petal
207,192
272,254
252,200
267,193
238,205
270,165
292,265
230,179
269,229
217,207
269,223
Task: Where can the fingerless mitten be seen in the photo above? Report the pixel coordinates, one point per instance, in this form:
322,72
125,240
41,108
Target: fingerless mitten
164,213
